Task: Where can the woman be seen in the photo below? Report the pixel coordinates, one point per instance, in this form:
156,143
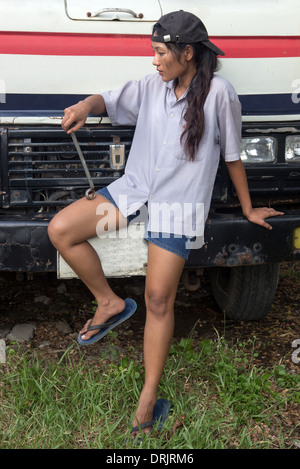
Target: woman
185,117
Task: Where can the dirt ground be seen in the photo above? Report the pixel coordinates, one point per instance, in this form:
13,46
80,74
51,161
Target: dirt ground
45,299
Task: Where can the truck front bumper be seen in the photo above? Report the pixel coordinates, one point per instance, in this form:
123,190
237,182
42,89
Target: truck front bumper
230,240
25,245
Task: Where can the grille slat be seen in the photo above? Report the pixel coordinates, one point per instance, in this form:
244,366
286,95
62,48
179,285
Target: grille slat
61,162
83,143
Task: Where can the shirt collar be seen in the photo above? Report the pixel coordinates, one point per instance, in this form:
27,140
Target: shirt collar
170,84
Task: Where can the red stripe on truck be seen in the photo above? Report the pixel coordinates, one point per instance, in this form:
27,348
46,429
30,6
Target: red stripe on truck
69,44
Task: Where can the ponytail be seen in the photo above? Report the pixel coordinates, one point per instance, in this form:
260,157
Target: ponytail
206,63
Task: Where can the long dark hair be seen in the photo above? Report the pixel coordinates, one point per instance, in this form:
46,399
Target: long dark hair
206,63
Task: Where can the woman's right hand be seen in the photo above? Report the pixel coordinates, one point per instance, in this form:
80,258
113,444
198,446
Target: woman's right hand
75,116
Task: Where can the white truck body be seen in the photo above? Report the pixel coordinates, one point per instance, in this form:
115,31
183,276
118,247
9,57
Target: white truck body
61,54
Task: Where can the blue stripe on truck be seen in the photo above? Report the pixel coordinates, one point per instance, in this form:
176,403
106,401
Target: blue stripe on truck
54,104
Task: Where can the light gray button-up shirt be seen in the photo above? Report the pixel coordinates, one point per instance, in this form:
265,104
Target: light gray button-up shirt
177,191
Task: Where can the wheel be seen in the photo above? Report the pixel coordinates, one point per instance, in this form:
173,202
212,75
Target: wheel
244,293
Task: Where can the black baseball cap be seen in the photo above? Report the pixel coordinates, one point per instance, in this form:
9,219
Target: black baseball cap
184,27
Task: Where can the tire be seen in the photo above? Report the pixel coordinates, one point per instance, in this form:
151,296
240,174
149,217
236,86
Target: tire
244,293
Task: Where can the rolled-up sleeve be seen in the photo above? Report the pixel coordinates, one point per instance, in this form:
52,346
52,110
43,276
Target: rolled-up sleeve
230,125
123,105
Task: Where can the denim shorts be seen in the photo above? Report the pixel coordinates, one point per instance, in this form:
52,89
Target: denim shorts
178,244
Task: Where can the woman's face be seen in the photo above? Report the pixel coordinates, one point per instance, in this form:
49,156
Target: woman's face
167,63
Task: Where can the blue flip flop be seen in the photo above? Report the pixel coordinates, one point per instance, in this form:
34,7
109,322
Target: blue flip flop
160,413
130,308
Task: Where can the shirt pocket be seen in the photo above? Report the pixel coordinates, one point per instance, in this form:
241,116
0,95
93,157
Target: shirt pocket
206,145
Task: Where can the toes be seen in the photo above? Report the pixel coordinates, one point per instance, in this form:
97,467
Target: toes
84,331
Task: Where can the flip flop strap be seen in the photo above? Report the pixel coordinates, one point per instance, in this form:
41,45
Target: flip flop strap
143,425
98,326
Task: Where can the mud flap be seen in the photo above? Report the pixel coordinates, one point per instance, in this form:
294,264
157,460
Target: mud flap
122,254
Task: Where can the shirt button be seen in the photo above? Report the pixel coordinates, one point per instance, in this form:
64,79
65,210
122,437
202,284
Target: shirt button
165,142
157,170
151,196
172,115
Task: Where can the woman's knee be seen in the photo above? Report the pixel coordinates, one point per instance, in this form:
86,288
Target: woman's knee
158,301
57,230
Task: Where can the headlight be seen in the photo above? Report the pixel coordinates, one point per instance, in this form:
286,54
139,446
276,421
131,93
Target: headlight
292,148
258,150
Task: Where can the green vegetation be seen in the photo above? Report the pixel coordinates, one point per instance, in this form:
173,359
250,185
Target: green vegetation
219,398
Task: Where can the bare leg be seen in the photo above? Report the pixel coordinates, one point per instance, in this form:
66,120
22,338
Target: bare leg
68,232
163,274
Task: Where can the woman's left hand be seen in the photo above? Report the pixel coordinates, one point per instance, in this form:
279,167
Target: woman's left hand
258,215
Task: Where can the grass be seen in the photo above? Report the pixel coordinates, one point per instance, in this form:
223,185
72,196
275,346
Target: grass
219,400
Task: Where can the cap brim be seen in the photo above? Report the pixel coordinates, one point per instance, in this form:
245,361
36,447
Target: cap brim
211,46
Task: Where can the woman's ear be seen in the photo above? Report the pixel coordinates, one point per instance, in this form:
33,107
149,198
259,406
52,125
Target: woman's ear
188,53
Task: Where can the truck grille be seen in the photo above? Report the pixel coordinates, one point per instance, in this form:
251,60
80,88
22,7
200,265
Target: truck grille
40,170
44,169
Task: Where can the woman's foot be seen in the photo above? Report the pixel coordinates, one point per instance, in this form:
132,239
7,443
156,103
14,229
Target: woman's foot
144,414
105,311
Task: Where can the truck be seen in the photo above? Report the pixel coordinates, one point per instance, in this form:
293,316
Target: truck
54,53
